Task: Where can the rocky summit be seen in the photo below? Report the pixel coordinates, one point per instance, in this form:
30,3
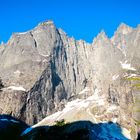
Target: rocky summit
47,76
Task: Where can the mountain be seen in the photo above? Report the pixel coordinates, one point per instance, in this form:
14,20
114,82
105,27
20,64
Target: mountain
46,72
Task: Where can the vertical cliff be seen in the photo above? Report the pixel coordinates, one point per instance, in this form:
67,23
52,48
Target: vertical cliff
44,69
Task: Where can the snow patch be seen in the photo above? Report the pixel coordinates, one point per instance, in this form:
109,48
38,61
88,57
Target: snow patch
44,55
22,33
132,75
73,103
74,106
16,88
17,72
114,120
45,60
26,131
127,66
115,77
85,90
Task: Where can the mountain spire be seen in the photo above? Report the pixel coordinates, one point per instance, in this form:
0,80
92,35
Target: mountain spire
101,37
124,29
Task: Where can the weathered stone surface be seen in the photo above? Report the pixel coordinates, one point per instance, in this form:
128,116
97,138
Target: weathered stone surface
13,103
54,68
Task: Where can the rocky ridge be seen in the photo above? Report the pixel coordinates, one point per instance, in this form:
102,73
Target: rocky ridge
43,70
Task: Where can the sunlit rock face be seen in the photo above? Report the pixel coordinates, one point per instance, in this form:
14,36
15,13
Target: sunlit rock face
44,70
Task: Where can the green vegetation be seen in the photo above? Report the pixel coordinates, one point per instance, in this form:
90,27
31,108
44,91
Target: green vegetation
137,100
137,85
60,122
137,110
133,78
137,122
95,110
133,132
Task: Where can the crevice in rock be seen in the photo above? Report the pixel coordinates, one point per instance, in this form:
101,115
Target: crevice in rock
74,74
35,43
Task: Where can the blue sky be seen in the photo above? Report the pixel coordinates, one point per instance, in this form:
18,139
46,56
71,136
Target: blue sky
83,19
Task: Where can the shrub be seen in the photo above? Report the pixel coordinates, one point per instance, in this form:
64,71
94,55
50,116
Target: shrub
60,122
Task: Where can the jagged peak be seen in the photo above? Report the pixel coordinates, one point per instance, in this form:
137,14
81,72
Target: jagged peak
46,23
62,32
124,29
122,24
81,40
101,36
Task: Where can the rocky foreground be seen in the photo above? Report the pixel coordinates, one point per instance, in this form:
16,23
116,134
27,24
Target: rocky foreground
12,128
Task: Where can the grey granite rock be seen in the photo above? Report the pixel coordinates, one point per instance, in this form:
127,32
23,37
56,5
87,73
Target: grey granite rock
54,68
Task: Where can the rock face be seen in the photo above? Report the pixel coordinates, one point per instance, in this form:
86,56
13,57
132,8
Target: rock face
44,69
